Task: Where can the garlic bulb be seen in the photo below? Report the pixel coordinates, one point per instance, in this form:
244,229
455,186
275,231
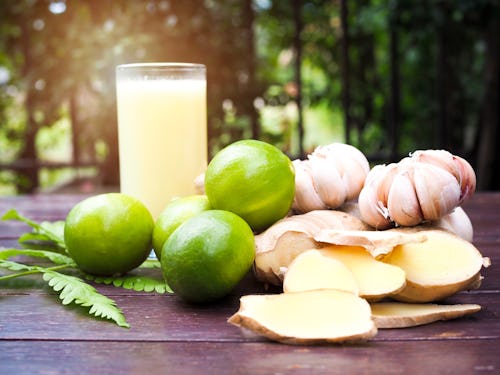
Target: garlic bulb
425,186
330,176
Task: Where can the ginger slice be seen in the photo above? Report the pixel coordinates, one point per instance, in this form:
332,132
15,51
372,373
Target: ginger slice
312,317
271,266
277,246
378,243
312,270
441,266
401,315
374,278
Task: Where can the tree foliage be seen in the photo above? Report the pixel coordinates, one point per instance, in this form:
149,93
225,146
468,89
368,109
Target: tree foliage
415,74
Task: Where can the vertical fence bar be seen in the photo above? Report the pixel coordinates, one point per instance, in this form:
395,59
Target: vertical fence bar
344,66
395,92
297,43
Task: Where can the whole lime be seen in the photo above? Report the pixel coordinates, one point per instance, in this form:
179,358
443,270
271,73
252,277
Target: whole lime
108,234
253,179
208,255
174,214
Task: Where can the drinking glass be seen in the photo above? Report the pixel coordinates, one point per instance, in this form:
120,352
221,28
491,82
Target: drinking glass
162,130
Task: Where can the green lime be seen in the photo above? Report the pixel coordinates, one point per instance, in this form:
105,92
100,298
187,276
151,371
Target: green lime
108,234
176,212
208,255
253,179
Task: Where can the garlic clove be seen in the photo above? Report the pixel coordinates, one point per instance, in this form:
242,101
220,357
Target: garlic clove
306,197
327,180
467,178
385,181
439,158
402,202
437,190
457,222
371,203
373,212
457,166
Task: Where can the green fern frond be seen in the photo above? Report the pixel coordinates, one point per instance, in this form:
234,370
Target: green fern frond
55,258
55,228
39,241
45,231
134,282
35,240
16,267
73,289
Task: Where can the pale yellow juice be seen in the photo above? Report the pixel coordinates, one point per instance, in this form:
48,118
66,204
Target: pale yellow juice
162,138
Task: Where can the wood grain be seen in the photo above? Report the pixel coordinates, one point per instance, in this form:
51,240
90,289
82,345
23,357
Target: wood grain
201,357
40,336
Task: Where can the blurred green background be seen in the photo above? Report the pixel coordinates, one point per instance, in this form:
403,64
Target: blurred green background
389,77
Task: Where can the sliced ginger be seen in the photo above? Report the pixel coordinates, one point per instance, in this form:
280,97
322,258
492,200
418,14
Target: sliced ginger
312,317
436,268
375,279
276,247
401,315
327,286
313,270
377,243
270,266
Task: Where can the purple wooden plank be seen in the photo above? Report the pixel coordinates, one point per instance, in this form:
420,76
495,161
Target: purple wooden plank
165,318
183,358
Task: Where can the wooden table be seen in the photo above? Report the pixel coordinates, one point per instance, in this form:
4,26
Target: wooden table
40,336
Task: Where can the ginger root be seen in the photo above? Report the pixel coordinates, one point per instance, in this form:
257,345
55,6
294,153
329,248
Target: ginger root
401,315
277,246
438,267
436,262
312,317
330,176
423,265
377,243
422,187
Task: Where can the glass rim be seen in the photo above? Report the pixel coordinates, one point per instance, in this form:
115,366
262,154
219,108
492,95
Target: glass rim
161,66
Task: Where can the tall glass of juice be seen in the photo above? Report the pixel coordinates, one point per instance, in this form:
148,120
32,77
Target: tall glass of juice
162,136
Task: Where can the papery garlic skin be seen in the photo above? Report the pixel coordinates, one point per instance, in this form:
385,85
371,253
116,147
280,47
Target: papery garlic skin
437,190
457,222
370,204
457,166
307,197
324,177
330,176
402,200
426,186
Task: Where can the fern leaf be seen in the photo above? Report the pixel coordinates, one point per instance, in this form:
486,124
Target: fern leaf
55,258
134,282
55,228
12,214
38,241
51,231
73,289
14,266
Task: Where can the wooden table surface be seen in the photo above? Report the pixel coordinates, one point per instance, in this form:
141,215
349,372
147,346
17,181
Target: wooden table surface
40,336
